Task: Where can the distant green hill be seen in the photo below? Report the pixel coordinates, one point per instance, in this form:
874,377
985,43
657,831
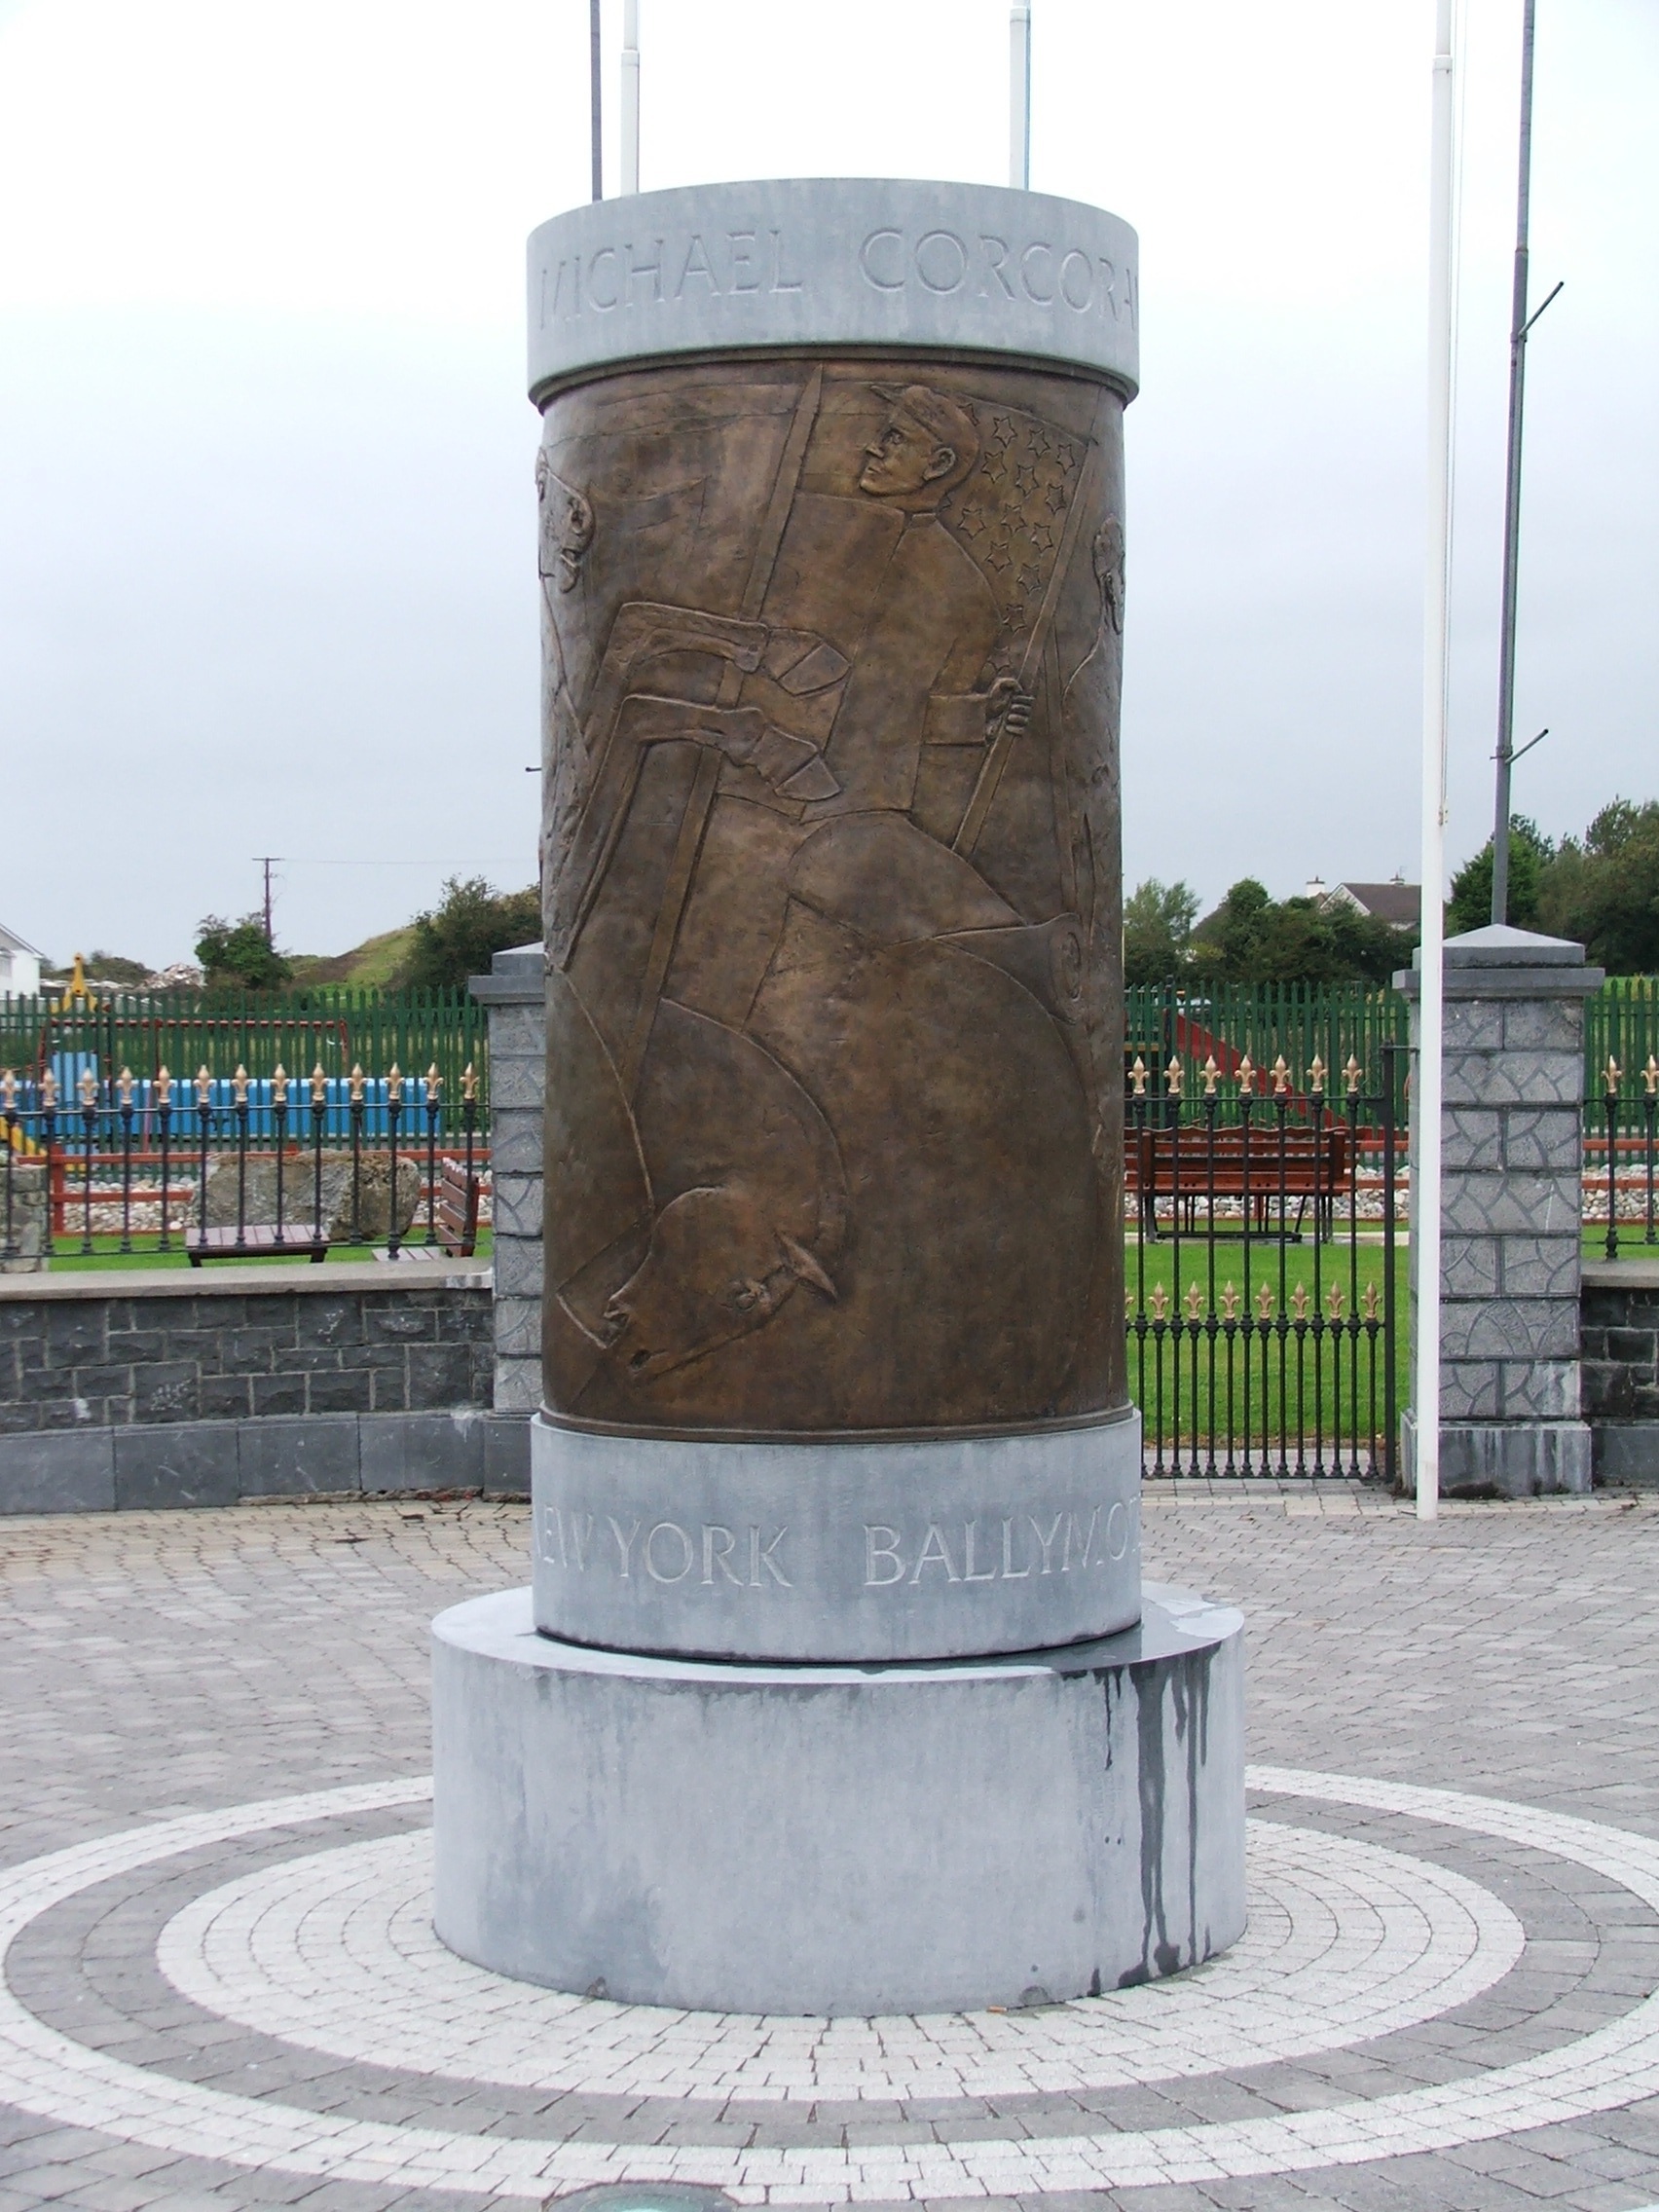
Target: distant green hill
371,965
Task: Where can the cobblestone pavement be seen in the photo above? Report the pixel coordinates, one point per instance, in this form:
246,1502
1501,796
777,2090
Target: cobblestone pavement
221,1990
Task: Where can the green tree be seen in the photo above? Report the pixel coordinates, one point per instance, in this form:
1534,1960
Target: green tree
1603,889
114,968
1530,854
1158,927
239,954
457,937
1252,938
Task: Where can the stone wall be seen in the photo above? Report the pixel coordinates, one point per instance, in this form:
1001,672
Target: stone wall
187,1387
1621,1367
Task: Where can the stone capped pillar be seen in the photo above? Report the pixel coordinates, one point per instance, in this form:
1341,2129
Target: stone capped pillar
514,991
835,1691
1511,1213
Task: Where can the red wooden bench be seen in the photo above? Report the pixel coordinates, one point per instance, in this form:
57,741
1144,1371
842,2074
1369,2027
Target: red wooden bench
1265,1166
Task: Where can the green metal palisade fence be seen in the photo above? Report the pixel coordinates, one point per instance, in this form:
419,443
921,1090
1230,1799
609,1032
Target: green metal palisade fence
184,1030
1621,1024
339,1027
1296,1021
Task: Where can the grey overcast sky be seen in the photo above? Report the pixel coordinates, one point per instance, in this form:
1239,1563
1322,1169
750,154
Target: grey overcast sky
266,512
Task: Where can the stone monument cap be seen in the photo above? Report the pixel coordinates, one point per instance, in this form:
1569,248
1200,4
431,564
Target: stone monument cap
1502,962
858,263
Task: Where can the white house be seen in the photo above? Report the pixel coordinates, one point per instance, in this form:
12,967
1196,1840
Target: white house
20,966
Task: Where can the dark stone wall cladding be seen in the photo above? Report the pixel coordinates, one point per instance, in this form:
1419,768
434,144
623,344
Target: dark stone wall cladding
1621,1353
116,1362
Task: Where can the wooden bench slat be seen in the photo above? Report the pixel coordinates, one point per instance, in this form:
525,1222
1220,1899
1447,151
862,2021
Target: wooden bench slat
255,1236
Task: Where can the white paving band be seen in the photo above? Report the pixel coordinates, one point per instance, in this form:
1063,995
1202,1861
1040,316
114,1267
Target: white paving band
48,2074
335,1951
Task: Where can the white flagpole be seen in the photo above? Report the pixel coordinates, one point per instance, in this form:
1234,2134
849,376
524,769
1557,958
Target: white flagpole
1019,97
1425,1105
630,95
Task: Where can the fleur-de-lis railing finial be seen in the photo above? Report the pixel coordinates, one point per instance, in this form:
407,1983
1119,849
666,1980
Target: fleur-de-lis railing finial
468,1084
1281,1077
1317,1076
1246,1075
89,1089
1229,1301
279,1085
394,1084
8,1091
239,1085
125,1087
1334,1300
1650,1076
1264,1304
1354,1072
1615,1071
319,1086
356,1083
1370,1301
204,1088
1137,1076
161,1088
1173,1075
1195,1302
1299,1302
1211,1071
1158,1302
47,1091
435,1085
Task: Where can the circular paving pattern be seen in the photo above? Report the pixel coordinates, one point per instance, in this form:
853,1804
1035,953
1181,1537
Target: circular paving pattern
336,1952
329,1951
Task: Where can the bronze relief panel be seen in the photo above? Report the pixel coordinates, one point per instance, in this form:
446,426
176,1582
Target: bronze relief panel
831,854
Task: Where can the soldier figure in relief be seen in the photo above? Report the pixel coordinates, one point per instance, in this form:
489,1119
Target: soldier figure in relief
931,619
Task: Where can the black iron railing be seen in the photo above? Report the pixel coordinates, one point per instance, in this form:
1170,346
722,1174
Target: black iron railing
229,1167
1621,1158
1262,1292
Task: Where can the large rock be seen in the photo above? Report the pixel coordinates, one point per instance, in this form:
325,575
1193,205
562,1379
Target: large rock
22,1219
258,1194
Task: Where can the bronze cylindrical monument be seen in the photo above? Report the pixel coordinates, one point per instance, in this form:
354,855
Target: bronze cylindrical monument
831,869
833,1692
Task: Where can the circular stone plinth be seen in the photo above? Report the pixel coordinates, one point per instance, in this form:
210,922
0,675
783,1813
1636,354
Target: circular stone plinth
832,1840
837,1549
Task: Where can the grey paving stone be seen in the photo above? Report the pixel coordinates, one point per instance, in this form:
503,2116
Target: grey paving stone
64,1471
184,1464
1504,1649
284,1456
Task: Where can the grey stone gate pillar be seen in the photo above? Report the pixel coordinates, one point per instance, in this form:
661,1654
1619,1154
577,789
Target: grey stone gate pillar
1511,1211
514,991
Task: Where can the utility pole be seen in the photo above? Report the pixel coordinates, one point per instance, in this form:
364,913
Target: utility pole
630,95
595,64
1520,323
1019,95
1437,580
267,860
